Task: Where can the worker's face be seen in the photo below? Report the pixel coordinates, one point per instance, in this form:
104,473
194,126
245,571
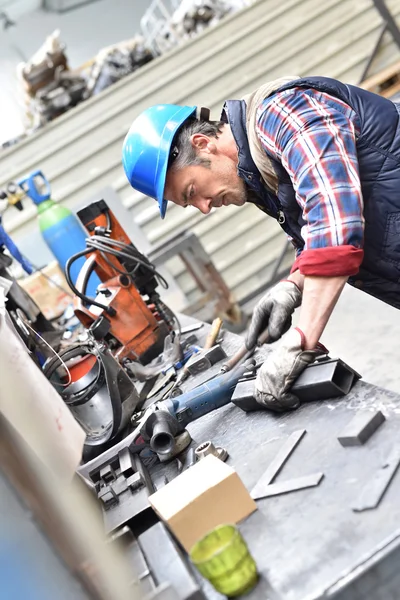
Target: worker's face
207,187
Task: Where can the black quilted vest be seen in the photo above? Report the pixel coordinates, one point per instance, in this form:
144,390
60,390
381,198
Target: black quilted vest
378,150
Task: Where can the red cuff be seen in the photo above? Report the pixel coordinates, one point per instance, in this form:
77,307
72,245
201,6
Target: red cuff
334,261
295,266
320,348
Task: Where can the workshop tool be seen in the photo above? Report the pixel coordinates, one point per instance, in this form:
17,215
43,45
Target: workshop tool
164,420
209,343
206,359
208,448
325,379
244,353
157,426
375,489
98,391
60,229
190,328
223,558
174,355
132,317
361,427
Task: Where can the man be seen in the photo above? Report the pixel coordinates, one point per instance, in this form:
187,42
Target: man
321,157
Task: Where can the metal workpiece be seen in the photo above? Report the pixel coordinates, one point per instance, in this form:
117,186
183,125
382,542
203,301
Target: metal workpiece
243,396
107,497
325,379
167,563
361,427
119,485
375,489
134,481
191,328
277,464
125,496
126,462
107,474
291,485
207,448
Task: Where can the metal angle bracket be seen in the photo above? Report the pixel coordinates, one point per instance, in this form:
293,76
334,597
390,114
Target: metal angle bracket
291,485
277,463
264,488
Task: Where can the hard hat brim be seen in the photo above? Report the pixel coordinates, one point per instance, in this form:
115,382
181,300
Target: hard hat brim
168,135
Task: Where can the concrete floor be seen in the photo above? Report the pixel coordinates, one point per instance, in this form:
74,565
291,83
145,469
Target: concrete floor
365,333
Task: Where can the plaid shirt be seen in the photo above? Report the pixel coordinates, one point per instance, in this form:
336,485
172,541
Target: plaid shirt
313,135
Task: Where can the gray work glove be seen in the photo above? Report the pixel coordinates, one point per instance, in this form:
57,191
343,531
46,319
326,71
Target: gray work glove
274,311
281,369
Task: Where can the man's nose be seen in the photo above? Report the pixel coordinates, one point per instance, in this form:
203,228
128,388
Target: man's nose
204,205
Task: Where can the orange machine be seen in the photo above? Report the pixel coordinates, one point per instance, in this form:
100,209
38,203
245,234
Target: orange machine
127,311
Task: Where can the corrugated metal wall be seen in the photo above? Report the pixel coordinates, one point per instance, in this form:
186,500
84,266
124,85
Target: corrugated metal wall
80,152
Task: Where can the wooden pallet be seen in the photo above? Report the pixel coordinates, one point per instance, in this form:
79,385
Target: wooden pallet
385,83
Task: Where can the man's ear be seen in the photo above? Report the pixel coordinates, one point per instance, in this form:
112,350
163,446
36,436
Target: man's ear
202,143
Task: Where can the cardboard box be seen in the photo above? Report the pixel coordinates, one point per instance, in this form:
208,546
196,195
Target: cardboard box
208,494
51,300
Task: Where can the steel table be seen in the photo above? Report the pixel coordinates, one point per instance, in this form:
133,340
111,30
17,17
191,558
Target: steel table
310,544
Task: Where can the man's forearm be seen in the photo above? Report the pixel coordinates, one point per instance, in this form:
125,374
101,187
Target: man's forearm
320,295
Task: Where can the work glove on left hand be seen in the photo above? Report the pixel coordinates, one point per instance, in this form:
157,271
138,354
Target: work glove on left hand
281,369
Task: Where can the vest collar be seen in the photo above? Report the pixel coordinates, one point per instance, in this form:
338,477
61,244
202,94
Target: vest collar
234,112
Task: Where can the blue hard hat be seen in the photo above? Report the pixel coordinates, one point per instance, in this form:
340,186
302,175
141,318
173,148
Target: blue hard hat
147,145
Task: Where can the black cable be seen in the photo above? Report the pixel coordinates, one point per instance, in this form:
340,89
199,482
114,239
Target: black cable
99,241
120,250
84,298
104,245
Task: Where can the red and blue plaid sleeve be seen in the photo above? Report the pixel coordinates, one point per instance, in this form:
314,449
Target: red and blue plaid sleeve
313,135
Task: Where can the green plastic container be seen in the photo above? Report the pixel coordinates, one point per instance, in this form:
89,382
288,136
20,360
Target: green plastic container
223,558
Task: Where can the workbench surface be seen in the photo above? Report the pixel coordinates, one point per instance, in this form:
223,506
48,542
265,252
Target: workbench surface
306,541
